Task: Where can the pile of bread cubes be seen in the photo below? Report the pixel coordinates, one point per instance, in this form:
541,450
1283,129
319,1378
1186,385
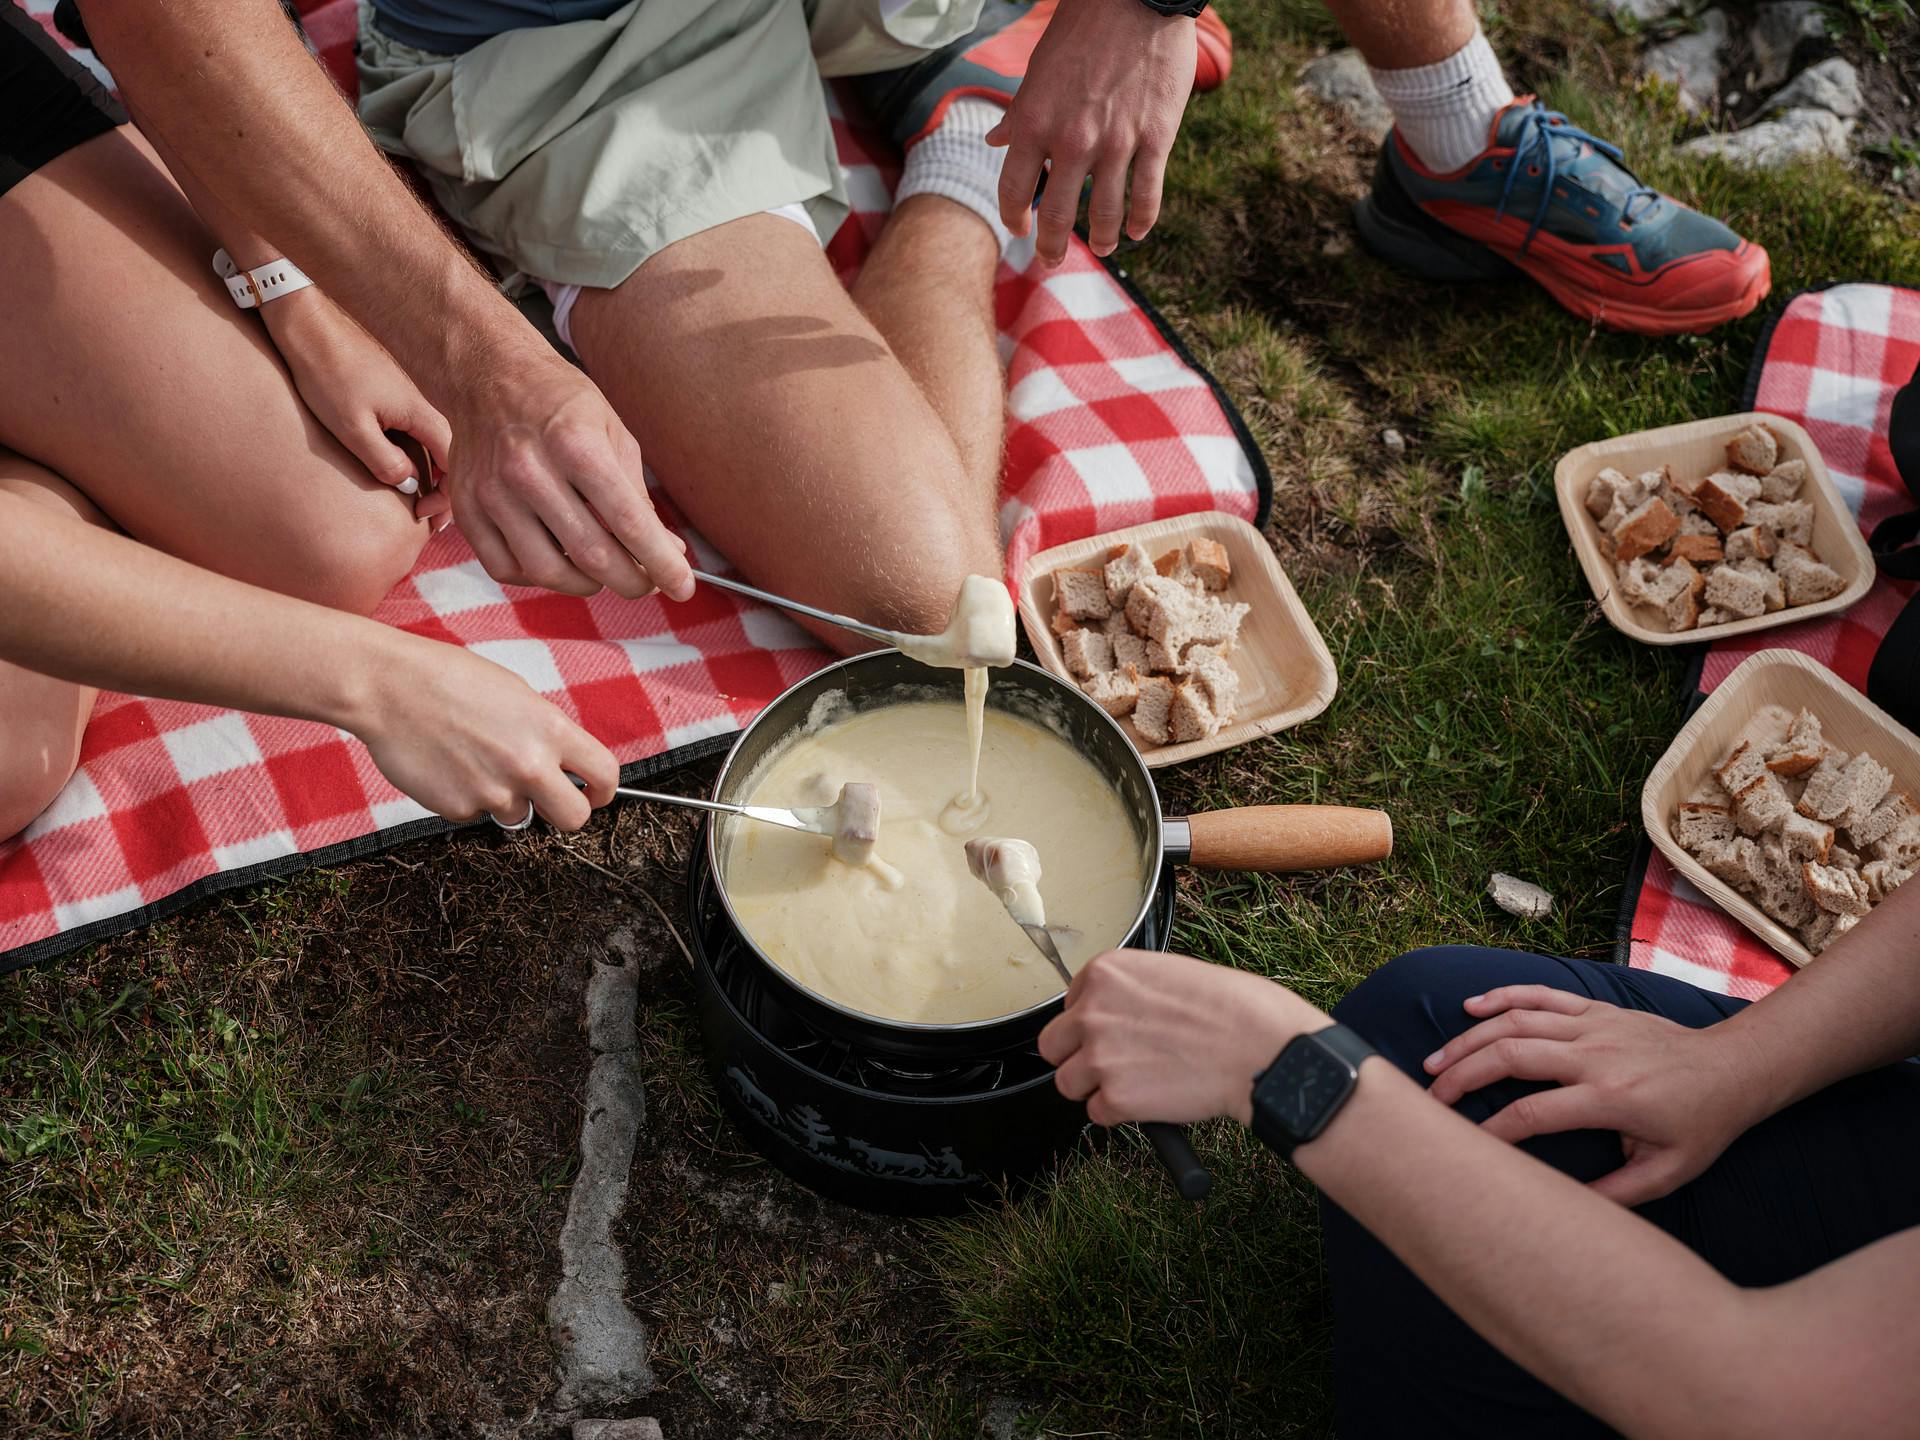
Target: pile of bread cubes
1150,638
1813,836
1726,546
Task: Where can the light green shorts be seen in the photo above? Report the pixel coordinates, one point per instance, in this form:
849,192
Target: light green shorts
573,152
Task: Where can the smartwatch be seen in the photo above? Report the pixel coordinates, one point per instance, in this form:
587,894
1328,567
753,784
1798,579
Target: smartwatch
251,289
1297,1096
1189,8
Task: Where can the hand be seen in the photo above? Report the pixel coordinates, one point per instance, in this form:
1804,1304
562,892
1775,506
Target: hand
464,736
1150,1036
1105,90
354,388
1677,1096
547,485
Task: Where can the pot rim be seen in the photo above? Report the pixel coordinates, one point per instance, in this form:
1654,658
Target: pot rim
1156,830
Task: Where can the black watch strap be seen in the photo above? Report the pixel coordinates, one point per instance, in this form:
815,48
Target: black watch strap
1190,8
1274,1123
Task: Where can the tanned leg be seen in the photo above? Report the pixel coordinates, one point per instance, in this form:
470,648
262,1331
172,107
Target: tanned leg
1400,34
787,429
928,288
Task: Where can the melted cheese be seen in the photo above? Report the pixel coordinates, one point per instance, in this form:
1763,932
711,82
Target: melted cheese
914,936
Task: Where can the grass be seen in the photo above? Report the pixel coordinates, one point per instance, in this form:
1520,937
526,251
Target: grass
292,1164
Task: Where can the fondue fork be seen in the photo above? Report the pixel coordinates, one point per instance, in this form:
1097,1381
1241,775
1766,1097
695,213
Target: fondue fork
1170,1143
845,622
842,822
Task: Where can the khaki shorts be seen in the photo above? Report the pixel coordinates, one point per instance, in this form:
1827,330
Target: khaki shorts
573,152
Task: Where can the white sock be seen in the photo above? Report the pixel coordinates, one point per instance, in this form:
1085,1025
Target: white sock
956,161
1445,110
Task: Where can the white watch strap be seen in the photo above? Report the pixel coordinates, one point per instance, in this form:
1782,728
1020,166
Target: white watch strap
252,288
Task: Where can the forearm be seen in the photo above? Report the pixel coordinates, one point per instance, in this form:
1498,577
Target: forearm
1854,1008
84,604
1584,1294
226,86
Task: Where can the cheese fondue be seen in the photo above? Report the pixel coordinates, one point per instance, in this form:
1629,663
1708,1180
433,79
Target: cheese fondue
917,937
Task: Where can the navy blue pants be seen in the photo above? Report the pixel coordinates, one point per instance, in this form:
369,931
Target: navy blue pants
1820,1179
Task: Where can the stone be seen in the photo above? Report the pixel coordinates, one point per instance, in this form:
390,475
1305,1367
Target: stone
1797,135
1395,442
1002,1415
644,1428
1520,897
1641,11
1692,63
1778,29
602,1345
1342,81
1832,85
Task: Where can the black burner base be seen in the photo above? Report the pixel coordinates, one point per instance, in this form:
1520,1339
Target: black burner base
888,1133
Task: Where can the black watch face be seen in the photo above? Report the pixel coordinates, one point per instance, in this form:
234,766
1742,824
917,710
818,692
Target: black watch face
1304,1087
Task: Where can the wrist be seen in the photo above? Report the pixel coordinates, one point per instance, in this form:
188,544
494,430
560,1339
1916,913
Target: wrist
1271,1019
1752,1084
358,691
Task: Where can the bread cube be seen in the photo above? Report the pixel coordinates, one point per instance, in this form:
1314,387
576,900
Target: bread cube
1083,593
1761,805
1114,691
1645,529
1062,623
1698,550
1161,609
1130,649
1842,892
1802,748
1217,623
1883,877
1175,565
1735,592
1806,839
1773,589
1755,450
1901,845
1781,889
1087,653
1602,490
1789,520
1126,566
1162,661
1751,542
1745,763
1723,498
1867,782
1152,713
1783,482
1826,795
1696,523
1825,928
1191,717
1208,559
1734,862
1806,579
1882,821
1217,679
1697,825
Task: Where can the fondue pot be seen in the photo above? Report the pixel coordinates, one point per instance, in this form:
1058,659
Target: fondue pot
1265,837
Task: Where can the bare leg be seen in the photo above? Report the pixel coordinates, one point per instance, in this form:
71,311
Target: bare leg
40,718
785,427
928,288
1400,34
128,372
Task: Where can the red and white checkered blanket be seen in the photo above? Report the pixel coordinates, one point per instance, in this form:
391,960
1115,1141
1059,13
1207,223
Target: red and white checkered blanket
1109,423
1833,361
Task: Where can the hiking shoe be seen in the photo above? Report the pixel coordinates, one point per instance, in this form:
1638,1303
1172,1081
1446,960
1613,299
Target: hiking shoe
991,62
1554,203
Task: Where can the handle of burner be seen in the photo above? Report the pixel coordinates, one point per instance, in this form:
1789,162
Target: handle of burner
1189,1176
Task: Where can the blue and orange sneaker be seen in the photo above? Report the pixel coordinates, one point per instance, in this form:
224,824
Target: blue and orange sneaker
1550,201
991,61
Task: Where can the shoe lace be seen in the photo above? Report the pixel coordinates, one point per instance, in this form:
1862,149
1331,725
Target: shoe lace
1535,145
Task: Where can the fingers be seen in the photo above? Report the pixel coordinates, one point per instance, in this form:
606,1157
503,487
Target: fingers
1644,1177
496,557
586,757
1061,1038
385,461
1528,997
1077,1079
1106,208
619,498
1019,176
1059,207
559,802
1533,1024
536,558
1508,1059
430,428
591,550
1547,1112
1143,203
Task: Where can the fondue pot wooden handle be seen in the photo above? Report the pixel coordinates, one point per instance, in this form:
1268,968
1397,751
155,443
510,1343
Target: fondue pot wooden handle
1287,837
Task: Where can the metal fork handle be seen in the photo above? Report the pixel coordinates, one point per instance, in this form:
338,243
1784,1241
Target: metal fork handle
770,814
845,622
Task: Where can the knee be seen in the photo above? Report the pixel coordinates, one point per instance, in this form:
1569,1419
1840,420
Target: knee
352,565
36,771
1413,1004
